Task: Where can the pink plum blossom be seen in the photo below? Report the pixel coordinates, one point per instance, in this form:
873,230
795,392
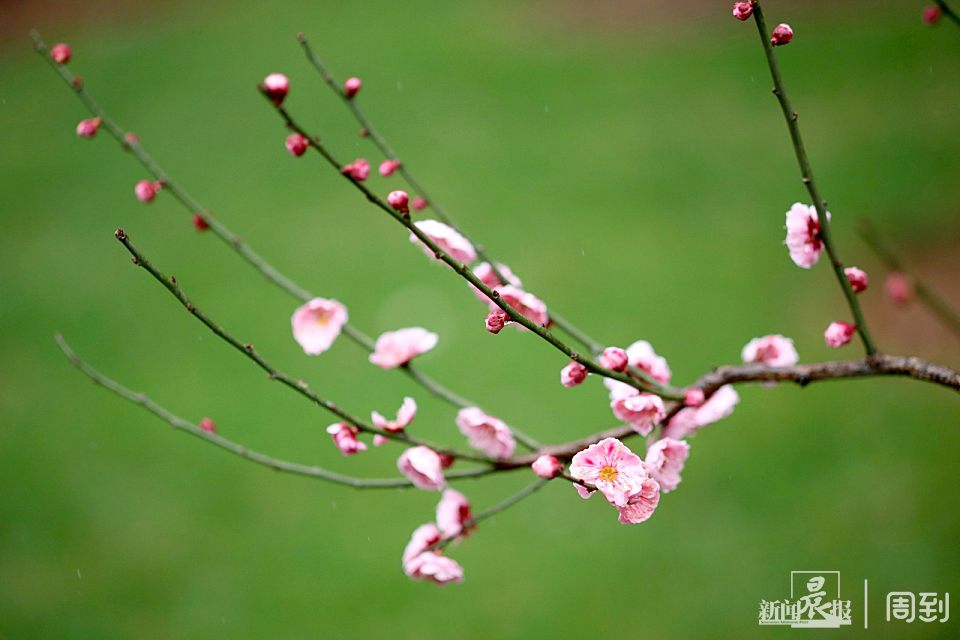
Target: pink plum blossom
742,10
641,504
643,411
61,53
317,324
351,86
782,34
583,492
296,144
434,567
396,348
406,414
359,169
839,334
547,467
419,203
276,86
803,235
573,374
345,437
208,426
88,128
664,462
496,320
486,433
453,513
398,200
614,358
485,273
898,288
447,238
641,355
526,304
773,351
422,465
146,190
858,279
387,167
422,538
689,419
612,468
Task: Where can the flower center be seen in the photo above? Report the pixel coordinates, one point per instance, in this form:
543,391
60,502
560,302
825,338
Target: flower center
608,474
322,318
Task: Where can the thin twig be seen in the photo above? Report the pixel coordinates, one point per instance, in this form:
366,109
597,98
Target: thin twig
779,90
934,302
232,240
639,380
947,11
381,143
301,387
237,449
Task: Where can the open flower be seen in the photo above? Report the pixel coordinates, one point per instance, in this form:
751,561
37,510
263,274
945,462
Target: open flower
689,419
453,513
641,504
317,324
664,462
612,468
447,238
396,348
526,304
642,410
345,437
486,433
406,414
641,355
772,350
803,235
422,465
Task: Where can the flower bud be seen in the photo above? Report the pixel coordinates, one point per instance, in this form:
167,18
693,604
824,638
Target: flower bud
359,169
496,320
419,203
276,86
898,288
932,14
398,200
387,167
857,278
838,334
296,144
613,358
546,467
742,10
88,128
146,190
573,374
61,53
208,426
693,397
199,223
782,34
351,86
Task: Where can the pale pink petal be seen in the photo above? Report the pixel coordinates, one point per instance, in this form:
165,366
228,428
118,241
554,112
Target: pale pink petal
487,276
423,467
583,491
641,504
434,567
687,420
317,324
546,467
773,350
423,536
406,414
643,411
641,355
526,304
453,512
665,459
486,433
447,238
396,348
345,437
803,235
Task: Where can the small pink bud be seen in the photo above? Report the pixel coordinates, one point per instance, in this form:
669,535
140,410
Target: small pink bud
88,128
387,167
857,277
614,358
898,288
359,170
276,86
419,203
398,200
573,374
61,53
131,138
208,426
146,190
931,15
199,223
351,86
496,320
296,144
782,34
446,461
546,467
693,397
838,334
742,10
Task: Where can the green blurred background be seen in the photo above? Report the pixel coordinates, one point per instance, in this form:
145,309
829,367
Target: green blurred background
627,159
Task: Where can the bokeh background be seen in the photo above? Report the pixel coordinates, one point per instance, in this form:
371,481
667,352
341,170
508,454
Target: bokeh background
627,159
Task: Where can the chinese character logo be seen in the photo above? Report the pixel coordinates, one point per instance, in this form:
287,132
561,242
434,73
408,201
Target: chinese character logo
814,602
903,606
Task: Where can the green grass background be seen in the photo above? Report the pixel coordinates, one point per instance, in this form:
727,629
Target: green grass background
631,165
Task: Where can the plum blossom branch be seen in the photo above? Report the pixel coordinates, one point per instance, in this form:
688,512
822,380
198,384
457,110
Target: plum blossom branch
934,302
132,144
351,102
301,387
947,11
639,380
791,116
237,449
